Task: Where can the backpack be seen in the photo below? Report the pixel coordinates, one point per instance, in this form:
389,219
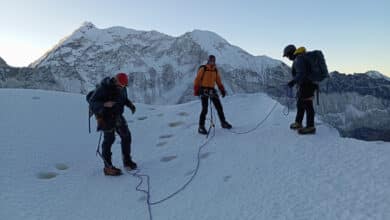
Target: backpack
318,70
88,97
204,70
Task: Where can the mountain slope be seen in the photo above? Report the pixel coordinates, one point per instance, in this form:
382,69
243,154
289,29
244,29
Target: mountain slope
358,105
271,173
3,63
161,67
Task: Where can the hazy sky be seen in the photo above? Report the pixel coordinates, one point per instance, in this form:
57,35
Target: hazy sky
354,34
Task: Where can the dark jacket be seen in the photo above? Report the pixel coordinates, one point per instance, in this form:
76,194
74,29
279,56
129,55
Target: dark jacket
300,71
108,91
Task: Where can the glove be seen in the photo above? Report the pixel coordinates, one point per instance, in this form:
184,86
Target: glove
196,90
132,108
223,93
291,83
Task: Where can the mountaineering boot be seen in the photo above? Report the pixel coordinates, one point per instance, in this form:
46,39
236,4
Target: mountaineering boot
295,126
112,171
129,164
307,130
202,130
226,125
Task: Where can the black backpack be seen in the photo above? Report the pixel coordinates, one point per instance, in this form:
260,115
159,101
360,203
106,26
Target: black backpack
89,97
318,70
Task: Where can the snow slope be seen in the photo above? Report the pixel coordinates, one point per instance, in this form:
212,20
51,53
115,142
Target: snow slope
271,173
161,68
377,75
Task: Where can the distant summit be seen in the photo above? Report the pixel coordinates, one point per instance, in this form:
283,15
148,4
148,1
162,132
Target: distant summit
3,63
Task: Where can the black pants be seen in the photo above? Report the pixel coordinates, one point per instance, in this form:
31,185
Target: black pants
205,105
305,103
302,107
109,137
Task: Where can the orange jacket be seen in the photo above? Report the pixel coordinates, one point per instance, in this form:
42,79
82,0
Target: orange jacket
207,77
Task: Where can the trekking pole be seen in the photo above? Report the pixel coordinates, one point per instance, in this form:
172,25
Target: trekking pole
98,146
98,150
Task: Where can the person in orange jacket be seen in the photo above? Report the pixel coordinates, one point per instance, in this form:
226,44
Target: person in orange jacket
204,84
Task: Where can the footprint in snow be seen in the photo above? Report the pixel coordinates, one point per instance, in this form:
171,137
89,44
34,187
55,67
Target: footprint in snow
130,121
46,175
36,97
205,155
162,143
160,115
142,118
226,178
168,158
175,124
166,136
61,166
183,114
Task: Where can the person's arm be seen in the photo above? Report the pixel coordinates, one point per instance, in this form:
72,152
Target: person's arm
197,81
300,69
129,103
220,85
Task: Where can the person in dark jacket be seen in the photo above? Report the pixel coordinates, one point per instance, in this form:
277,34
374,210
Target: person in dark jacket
204,84
108,103
306,89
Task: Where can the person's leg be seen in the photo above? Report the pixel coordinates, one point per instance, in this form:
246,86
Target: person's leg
205,105
309,129
218,106
123,130
299,117
309,113
109,138
124,133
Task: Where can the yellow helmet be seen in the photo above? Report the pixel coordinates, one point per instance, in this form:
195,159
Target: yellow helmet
300,50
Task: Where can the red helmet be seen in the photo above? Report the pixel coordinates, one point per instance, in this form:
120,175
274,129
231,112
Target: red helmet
122,79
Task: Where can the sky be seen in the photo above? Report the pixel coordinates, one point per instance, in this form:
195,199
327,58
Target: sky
354,35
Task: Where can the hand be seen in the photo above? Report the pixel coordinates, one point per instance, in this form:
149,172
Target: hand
132,108
109,104
291,83
223,93
196,91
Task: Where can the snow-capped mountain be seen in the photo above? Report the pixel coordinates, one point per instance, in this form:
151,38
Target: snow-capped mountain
28,78
377,75
3,63
357,104
162,68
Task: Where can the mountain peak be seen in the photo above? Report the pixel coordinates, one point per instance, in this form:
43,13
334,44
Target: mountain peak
87,25
376,75
2,62
202,36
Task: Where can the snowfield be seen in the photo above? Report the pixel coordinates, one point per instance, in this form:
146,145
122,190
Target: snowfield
49,169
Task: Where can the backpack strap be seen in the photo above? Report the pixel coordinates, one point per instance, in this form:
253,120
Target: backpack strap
204,70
